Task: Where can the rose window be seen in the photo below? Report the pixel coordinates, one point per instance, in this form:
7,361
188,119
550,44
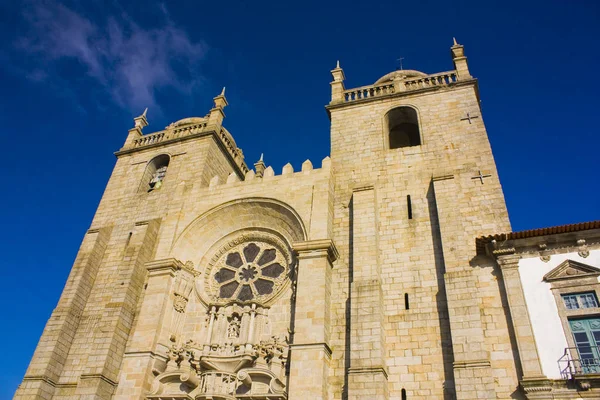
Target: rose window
249,272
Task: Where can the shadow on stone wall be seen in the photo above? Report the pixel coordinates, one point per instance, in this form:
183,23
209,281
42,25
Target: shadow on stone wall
441,301
349,300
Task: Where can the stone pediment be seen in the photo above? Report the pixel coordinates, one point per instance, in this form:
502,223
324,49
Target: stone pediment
570,269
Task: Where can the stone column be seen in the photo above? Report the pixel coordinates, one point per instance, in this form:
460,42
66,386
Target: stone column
48,360
367,375
472,367
310,351
528,354
153,329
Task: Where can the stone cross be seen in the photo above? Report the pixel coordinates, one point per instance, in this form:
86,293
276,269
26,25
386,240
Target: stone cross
481,176
469,117
400,61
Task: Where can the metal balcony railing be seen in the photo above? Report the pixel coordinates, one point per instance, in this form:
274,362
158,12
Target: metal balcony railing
584,360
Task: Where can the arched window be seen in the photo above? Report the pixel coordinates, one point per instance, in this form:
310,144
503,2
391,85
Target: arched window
402,126
155,173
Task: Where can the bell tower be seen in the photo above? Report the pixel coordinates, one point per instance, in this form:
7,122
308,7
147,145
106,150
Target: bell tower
415,183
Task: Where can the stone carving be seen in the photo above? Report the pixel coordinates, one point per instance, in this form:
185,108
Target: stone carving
233,330
584,253
202,374
251,267
180,303
583,250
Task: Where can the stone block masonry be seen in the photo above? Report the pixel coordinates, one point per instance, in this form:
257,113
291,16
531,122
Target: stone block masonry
356,279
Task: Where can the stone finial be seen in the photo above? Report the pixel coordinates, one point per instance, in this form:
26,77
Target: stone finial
141,122
287,169
454,40
259,166
216,114
307,166
326,163
337,86
220,100
460,61
338,73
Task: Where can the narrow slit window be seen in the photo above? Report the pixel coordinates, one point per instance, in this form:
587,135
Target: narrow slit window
403,394
409,206
406,303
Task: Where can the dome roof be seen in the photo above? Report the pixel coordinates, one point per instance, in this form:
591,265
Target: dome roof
186,121
401,73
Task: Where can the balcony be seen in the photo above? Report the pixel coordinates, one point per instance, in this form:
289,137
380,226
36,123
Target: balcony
580,362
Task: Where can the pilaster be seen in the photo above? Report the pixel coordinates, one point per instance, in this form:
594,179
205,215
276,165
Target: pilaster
367,375
100,376
168,280
310,350
472,366
528,354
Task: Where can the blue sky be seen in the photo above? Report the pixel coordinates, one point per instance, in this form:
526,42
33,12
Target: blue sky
74,74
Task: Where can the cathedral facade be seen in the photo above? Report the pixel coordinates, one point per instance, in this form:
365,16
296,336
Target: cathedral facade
357,277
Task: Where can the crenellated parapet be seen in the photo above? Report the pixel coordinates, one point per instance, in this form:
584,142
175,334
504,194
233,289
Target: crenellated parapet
264,174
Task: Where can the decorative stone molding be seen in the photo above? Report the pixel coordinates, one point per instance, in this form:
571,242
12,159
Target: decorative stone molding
194,373
508,261
166,266
500,252
180,303
472,364
316,248
570,269
368,370
583,250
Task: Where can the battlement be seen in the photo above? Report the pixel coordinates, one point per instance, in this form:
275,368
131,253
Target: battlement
268,174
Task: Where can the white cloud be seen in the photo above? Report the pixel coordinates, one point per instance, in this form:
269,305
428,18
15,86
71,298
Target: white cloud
128,61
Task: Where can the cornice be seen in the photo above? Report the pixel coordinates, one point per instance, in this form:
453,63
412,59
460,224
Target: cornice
212,132
320,245
164,266
407,93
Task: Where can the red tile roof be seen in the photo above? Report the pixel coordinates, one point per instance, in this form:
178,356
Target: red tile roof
582,226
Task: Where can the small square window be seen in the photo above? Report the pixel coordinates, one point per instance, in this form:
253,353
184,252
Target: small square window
576,301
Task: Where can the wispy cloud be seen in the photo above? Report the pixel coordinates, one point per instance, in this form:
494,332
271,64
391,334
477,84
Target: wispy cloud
129,62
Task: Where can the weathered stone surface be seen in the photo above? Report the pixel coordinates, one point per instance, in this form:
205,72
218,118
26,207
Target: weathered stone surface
364,299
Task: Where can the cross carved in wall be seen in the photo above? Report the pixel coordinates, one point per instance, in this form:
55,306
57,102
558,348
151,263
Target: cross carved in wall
469,117
481,176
